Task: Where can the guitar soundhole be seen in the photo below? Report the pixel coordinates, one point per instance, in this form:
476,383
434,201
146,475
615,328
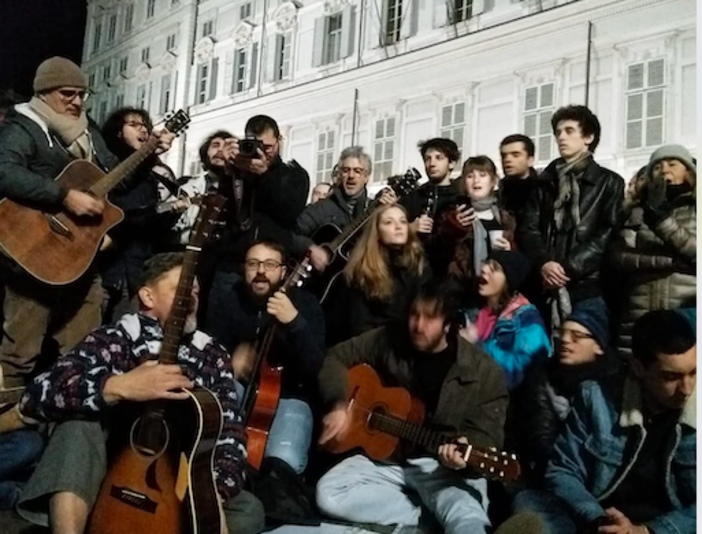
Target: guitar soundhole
149,436
375,417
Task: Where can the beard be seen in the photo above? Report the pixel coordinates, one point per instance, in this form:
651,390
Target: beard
262,297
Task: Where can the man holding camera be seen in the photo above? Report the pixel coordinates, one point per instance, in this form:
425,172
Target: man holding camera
266,195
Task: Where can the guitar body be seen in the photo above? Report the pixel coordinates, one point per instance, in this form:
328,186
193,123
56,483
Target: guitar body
321,283
53,254
161,477
369,396
261,415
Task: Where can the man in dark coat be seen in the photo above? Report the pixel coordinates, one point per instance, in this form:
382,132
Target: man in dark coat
517,153
568,222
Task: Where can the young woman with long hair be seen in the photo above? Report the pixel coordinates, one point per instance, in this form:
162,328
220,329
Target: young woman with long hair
385,266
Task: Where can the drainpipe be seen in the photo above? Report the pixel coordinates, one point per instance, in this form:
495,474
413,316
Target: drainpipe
264,48
587,63
355,117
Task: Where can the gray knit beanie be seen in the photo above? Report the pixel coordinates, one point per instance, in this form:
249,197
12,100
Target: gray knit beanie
678,152
58,72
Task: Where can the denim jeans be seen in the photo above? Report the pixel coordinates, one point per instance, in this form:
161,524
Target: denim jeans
18,452
291,434
552,511
363,491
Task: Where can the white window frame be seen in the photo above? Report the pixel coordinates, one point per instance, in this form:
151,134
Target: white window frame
540,115
241,70
171,41
384,135
245,11
107,72
325,155
645,93
97,36
112,28
123,64
145,54
128,18
208,28
166,93
283,53
142,96
150,8
206,81
462,10
332,39
453,123
392,29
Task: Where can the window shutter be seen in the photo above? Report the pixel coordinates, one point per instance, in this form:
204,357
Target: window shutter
488,5
414,17
654,132
319,41
441,12
277,52
530,126
633,135
634,107
254,66
269,54
654,104
198,81
656,73
348,31
547,95
213,79
531,98
636,77
478,7
235,70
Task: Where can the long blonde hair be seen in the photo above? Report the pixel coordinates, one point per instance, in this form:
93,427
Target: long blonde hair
368,267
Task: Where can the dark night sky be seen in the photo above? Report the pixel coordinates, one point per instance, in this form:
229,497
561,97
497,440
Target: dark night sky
33,30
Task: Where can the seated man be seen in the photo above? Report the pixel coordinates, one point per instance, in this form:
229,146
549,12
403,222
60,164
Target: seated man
465,395
104,370
237,316
625,461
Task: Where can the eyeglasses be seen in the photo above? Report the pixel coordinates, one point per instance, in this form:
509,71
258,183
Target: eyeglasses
268,265
137,124
69,95
575,335
356,170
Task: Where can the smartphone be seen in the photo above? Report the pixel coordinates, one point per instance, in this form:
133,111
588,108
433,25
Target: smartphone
463,200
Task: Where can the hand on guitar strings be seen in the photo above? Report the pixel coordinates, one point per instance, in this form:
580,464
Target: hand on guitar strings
388,196
243,359
281,307
149,381
319,257
165,140
334,423
423,224
83,204
451,457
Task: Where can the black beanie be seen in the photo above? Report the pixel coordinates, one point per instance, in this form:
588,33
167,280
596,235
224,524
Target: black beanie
515,265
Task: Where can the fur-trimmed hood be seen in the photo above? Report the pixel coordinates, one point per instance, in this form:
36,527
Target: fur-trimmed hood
632,406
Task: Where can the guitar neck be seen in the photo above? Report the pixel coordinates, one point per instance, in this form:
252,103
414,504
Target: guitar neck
404,430
355,225
124,169
173,330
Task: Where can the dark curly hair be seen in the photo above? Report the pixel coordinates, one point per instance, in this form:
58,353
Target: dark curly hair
588,121
444,145
112,129
205,146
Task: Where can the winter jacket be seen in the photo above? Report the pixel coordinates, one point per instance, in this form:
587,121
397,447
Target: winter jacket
599,445
73,387
278,197
233,318
601,197
518,340
332,210
473,398
515,192
32,157
658,263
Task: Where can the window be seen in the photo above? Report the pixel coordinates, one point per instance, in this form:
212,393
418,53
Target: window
129,18
111,28
325,156
102,111
393,23
383,149
123,64
141,97
206,88
239,70
106,73
91,80
453,122
97,36
245,11
208,28
119,101
462,10
645,104
145,53
332,45
165,103
283,52
171,42
150,8
538,109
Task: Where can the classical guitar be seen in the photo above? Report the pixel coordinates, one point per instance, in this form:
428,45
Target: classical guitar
263,391
337,241
58,247
172,205
381,417
160,477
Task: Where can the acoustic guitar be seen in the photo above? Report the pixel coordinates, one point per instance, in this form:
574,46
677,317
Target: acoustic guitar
338,242
263,391
58,247
381,417
160,478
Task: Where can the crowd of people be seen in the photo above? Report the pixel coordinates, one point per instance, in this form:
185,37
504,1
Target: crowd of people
549,314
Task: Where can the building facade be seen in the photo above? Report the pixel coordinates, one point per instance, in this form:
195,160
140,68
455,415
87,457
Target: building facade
386,74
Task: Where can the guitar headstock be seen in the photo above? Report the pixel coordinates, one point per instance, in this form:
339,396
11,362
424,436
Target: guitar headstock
404,184
208,220
177,122
299,274
494,464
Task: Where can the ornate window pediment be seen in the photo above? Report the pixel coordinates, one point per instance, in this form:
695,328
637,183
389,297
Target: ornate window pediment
142,71
243,33
332,7
168,61
285,17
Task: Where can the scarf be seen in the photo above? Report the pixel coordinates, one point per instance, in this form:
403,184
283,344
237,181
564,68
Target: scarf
566,212
561,307
480,235
72,132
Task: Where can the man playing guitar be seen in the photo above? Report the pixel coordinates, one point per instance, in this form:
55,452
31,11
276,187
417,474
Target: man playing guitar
465,396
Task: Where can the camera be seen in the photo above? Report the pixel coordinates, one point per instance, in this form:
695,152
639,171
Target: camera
249,147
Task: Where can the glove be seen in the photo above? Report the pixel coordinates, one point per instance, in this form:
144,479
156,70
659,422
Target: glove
654,202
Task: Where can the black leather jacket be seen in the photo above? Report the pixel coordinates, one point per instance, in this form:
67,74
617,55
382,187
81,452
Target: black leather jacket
601,197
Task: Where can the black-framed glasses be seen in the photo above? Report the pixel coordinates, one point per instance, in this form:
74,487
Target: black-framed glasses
268,265
69,95
575,335
356,170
